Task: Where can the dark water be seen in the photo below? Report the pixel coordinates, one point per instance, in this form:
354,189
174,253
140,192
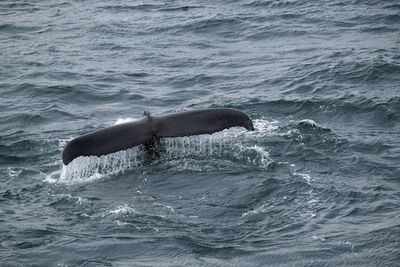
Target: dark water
290,193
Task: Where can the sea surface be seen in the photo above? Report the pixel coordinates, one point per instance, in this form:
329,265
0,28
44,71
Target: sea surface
316,184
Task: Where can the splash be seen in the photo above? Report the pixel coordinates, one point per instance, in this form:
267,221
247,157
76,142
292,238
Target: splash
229,145
265,127
86,169
231,148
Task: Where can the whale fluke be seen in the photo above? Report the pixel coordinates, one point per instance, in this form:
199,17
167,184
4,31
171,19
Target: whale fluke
127,135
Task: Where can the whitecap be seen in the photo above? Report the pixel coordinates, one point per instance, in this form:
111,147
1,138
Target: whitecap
123,210
262,209
13,172
308,122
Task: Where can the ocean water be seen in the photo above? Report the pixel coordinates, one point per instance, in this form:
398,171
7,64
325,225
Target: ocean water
316,184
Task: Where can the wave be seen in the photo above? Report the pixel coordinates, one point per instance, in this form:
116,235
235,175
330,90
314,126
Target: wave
14,152
77,93
348,108
338,67
223,26
273,3
17,29
180,8
132,7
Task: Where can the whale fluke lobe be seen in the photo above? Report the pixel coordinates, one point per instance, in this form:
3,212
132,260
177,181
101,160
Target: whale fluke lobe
127,135
108,140
197,122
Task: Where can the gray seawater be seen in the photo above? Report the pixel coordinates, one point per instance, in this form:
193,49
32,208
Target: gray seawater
317,183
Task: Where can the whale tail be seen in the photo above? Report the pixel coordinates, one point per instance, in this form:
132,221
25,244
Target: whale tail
127,135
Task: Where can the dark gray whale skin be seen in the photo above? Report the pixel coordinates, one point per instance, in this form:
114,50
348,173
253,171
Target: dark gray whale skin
127,135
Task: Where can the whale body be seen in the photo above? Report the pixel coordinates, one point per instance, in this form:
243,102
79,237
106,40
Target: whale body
127,135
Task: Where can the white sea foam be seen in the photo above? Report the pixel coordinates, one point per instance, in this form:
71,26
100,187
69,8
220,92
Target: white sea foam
76,200
262,209
264,157
170,208
123,211
264,127
13,172
305,176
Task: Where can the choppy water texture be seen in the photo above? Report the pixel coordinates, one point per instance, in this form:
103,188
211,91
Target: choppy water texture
317,182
